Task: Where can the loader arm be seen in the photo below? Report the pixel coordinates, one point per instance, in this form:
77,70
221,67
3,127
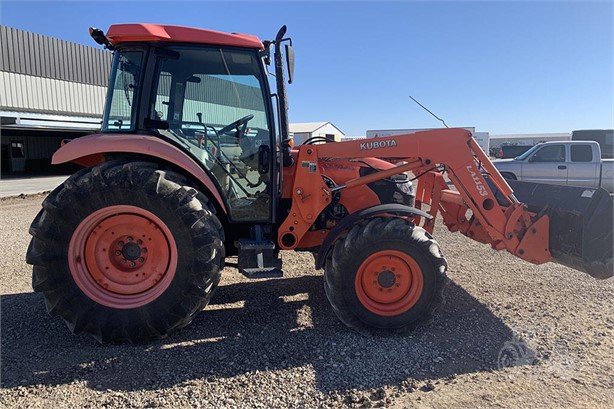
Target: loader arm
502,221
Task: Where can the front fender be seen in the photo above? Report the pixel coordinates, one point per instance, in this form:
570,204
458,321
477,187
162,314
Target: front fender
89,150
507,166
392,209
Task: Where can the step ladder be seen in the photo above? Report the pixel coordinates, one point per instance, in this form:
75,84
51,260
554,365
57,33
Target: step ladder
258,259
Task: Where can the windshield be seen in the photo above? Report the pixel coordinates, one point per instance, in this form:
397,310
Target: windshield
527,153
120,109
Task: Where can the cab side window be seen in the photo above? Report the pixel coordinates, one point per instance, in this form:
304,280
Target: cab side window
554,153
581,153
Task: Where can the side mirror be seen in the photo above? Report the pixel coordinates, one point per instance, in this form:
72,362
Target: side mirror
290,62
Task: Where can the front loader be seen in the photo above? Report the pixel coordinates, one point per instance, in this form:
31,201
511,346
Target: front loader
194,163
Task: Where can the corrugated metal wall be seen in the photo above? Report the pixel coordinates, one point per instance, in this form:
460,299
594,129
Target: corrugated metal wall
36,94
39,147
48,75
27,53
225,91
219,100
221,115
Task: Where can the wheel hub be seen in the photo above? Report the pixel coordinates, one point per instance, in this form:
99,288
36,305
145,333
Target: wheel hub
131,251
127,255
389,282
386,279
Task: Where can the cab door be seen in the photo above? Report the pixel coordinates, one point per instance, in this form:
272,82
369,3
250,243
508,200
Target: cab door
585,170
213,100
547,165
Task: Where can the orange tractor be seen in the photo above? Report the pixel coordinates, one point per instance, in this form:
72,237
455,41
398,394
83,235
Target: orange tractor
195,163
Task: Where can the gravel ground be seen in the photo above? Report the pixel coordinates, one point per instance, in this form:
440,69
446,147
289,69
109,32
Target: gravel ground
509,334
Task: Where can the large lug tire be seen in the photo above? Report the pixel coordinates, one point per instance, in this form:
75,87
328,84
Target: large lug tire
126,251
385,277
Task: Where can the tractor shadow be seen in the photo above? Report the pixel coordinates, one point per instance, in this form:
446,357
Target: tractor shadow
254,326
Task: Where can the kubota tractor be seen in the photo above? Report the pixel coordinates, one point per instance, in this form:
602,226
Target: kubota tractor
194,164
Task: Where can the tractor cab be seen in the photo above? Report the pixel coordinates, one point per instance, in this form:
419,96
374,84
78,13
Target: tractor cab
211,101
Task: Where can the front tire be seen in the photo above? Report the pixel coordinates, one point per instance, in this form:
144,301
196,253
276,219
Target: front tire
126,251
386,276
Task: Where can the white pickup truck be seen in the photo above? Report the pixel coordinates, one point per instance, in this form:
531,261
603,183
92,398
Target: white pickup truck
574,163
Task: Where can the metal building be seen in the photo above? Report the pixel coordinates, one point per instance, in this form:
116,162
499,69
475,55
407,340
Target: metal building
528,139
306,130
50,89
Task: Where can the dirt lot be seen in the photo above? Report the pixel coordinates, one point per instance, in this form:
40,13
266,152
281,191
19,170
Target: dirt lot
509,334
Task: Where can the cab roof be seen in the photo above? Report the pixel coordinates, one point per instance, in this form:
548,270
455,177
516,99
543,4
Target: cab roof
139,32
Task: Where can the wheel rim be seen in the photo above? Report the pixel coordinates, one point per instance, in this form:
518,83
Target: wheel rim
122,256
389,283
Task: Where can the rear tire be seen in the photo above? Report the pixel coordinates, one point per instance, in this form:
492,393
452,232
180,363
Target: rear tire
386,276
126,251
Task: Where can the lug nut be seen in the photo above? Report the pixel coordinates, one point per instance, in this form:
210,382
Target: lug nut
139,242
120,244
123,261
141,259
118,253
132,264
129,238
143,250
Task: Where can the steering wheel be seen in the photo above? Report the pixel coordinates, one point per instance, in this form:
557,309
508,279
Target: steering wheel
243,121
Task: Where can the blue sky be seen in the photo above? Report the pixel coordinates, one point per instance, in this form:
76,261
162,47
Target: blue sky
503,67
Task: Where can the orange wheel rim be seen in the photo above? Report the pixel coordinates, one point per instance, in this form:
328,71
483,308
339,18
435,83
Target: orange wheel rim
122,256
389,283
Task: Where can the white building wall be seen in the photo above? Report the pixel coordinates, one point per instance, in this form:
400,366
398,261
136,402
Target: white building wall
329,129
527,139
483,139
300,137
29,93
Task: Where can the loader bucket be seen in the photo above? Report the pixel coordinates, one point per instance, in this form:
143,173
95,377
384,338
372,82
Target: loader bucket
581,224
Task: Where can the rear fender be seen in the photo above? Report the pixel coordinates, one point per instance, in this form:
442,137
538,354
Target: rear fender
90,150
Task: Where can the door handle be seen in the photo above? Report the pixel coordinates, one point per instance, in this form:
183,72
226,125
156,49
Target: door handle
562,167
263,159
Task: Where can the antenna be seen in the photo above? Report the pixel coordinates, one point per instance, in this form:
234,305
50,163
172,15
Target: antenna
427,110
